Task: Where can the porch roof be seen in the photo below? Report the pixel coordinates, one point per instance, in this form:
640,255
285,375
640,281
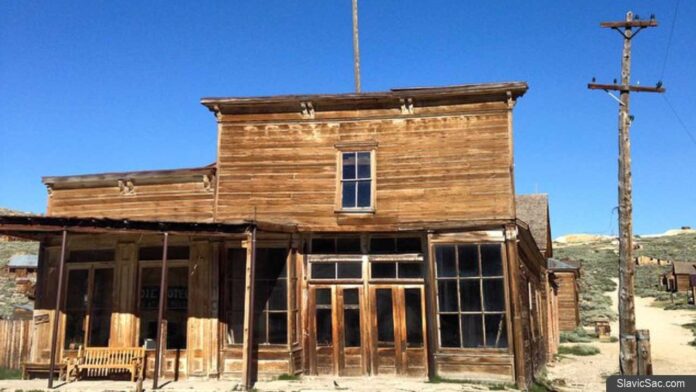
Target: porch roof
35,225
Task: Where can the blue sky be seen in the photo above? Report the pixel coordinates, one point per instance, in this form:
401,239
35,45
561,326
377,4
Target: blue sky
97,86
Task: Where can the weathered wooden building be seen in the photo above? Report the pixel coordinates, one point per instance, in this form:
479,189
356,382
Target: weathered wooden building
678,279
350,234
566,274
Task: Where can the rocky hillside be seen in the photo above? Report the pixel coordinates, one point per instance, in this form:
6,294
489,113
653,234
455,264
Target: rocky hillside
8,293
600,258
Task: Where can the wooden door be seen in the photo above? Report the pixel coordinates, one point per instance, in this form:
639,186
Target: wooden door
337,328
398,330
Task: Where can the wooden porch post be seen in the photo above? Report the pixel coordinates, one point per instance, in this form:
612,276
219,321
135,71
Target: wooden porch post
56,312
431,314
160,312
515,298
247,349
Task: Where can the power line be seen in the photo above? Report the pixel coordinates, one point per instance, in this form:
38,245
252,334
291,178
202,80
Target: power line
679,119
669,40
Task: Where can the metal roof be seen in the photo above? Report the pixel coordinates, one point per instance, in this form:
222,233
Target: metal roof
23,261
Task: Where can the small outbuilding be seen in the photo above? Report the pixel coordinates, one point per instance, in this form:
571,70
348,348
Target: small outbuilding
566,274
678,280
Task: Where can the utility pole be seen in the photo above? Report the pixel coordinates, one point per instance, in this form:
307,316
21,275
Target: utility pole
629,354
356,47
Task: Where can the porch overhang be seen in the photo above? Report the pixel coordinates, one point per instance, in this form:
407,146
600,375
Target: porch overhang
33,226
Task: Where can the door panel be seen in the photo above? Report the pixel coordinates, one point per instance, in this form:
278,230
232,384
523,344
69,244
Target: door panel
336,330
398,343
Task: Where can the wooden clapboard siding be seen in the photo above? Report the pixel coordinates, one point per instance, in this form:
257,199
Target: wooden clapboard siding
568,307
186,201
15,342
454,166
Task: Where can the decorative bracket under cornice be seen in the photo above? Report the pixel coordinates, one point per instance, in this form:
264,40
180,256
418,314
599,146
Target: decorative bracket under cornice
510,100
406,105
307,109
208,181
49,190
126,187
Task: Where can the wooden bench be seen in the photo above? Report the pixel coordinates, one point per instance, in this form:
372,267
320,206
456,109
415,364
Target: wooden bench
102,361
29,368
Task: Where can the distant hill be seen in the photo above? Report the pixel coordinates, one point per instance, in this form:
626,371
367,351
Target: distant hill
600,263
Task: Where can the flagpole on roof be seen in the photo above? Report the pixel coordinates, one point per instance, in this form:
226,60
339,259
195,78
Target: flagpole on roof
356,47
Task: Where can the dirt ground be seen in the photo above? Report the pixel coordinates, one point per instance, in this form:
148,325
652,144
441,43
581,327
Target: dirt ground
671,353
306,384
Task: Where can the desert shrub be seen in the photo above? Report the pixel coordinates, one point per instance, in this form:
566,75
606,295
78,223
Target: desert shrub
578,349
579,335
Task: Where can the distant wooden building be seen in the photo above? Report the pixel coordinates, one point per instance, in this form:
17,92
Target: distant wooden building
22,268
647,260
351,235
678,279
534,210
566,275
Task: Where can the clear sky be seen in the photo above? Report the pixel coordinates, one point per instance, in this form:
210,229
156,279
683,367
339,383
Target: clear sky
99,86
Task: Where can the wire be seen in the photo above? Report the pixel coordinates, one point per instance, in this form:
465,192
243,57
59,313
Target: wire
686,129
669,40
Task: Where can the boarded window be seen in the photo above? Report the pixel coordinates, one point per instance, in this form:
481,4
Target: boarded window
356,180
471,295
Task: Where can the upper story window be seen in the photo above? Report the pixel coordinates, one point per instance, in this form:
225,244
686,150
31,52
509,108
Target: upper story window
355,177
356,180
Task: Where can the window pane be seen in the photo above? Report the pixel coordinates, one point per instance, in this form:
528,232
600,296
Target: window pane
447,295
349,194
472,330
77,289
382,245
323,296
349,165
323,270
351,327
324,325
410,270
279,295
236,263
100,318
74,329
260,327
237,290
493,295
177,307
99,328
496,331
364,165
351,297
235,327
349,270
383,270
449,330
103,288
408,245
324,245
491,260
414,321
271,263
468,260
470,291
445,259
364,193
385,317
277,328
350,245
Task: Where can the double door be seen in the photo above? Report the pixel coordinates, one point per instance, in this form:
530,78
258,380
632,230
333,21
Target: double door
355,332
